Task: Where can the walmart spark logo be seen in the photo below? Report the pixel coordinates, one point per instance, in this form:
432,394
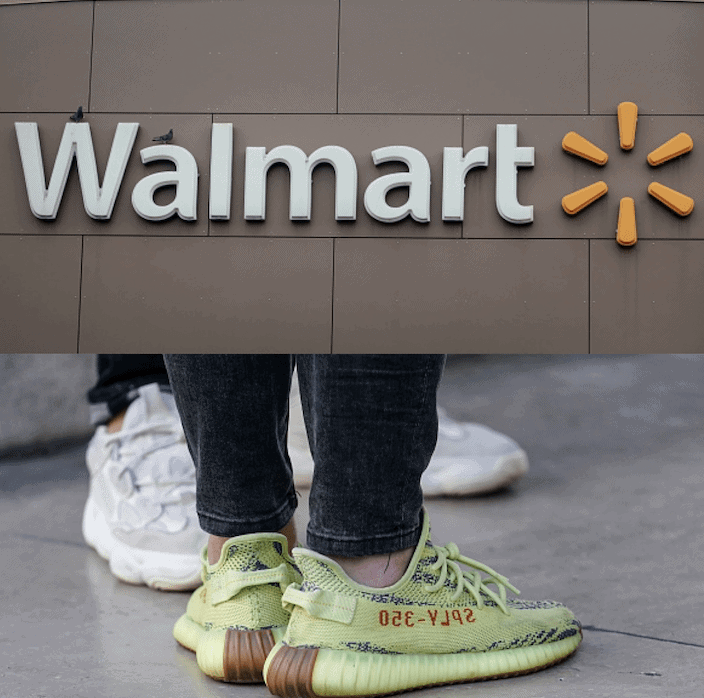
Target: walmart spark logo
626,229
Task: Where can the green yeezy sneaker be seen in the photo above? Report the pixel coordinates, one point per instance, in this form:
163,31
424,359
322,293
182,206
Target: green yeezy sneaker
233,620
440,623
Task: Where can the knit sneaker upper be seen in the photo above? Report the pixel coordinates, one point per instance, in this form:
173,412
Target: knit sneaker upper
242,591
445,603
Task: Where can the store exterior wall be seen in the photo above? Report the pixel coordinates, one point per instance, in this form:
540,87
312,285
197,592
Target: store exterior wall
362,75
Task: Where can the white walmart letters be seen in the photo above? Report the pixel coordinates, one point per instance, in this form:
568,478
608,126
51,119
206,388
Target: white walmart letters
257,164
99,202
185,178
76,141
454,171
221,143
508,158
417,179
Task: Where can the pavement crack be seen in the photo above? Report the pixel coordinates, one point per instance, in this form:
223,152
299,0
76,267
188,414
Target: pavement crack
640,673
645,637
58,541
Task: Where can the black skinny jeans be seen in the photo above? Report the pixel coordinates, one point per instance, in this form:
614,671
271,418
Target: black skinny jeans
371,423
372,427
119,378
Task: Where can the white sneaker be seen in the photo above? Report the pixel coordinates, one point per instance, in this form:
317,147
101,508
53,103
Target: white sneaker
141,512
468,459
471,459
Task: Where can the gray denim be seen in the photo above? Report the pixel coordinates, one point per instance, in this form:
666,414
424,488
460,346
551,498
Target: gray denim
372,427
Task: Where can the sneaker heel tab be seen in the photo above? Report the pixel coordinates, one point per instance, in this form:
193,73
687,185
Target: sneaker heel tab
212,567
285,552
153,401
224,552
204,565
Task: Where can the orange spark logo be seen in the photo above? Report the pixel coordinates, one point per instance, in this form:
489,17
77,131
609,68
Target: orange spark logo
626,228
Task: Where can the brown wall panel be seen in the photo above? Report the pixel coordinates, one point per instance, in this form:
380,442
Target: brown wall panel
29,2
650,53
426,75
476,56
45,56
358,134
39,293
557,173
206,295
477,296
647,299
205,56
190,131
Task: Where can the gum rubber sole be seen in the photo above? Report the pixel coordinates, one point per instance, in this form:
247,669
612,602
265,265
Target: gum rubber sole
233,656
245,654
314,673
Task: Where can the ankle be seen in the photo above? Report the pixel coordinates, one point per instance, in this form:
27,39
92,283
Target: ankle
216,543
376,571
115,424
289,530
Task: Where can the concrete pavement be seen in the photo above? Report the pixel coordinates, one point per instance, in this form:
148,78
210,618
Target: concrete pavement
608,521
43,404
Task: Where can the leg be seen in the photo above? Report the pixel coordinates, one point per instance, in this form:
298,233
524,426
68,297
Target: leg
235,415
234,410
442,618
369,415
469,459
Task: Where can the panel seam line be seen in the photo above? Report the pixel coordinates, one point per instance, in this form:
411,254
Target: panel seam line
337,90
80,297
332,298
90,68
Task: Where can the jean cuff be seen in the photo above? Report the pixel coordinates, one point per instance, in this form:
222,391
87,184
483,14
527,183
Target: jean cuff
229,528
379,545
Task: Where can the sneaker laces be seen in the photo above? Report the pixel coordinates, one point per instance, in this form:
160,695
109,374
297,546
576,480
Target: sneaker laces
173,434
448,562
